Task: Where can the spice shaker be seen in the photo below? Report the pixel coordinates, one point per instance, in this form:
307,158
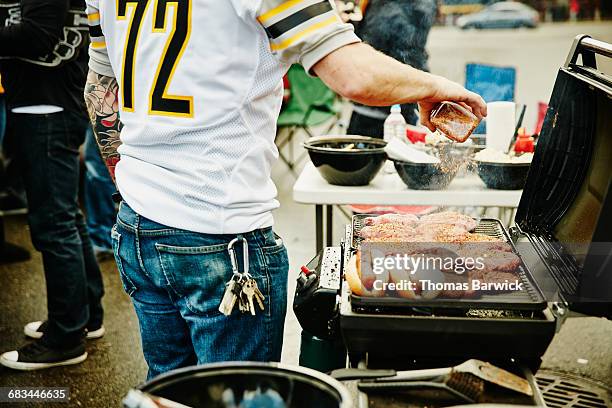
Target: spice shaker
454,121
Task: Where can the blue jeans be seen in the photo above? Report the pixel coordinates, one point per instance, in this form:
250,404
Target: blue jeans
46,148
176,280
98,191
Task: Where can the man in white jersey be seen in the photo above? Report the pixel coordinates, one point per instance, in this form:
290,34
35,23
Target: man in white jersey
197,85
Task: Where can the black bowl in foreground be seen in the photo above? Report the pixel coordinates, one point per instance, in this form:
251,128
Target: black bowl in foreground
503,176
425,176
347,160
254,384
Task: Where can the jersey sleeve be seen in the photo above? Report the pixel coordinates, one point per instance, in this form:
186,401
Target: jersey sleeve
98,55
304,31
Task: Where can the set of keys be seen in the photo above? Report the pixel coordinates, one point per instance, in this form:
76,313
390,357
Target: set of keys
242,288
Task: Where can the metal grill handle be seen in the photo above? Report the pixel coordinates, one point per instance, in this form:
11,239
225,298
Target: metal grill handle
587,47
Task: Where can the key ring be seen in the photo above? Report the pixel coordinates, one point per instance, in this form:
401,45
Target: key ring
245,255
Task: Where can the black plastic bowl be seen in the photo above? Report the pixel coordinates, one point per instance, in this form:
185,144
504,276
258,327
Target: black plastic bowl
425,176
203,386
347,160
503,176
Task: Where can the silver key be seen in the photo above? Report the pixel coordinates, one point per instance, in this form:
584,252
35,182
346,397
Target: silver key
233,290
248,290
259,297
243,303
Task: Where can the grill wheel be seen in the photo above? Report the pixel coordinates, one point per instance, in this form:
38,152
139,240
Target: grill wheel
562,390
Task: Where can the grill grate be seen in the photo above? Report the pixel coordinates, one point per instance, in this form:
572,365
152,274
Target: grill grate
530,299
486,226
562,390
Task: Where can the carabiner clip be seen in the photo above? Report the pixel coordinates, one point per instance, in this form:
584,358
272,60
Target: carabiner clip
245,256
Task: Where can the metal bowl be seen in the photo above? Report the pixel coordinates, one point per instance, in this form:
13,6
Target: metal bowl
503,176
347,160
212,384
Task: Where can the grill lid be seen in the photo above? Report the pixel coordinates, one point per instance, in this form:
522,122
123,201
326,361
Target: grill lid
566,206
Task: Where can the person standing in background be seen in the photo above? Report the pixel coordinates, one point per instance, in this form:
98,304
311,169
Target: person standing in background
399,29
8,252
97,196
43,44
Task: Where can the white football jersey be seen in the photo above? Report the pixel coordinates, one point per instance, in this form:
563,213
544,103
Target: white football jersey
200,90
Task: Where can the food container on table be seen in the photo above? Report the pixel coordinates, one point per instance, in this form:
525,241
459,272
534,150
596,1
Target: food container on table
503,176
454,121
347,160
426,176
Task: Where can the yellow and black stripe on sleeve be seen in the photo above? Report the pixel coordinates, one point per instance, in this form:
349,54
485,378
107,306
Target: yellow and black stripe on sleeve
95,31
287,22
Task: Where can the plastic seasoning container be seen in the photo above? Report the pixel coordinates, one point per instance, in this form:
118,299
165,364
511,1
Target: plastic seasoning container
454,121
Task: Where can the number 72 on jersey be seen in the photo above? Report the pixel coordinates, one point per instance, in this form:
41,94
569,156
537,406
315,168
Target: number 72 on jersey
160,102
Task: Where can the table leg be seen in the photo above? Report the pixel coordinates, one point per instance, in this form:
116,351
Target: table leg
329,216
319,227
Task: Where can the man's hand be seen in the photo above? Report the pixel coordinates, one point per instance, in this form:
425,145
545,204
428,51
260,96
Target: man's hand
445,90
364,75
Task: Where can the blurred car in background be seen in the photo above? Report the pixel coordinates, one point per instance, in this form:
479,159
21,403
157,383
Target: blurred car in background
504,14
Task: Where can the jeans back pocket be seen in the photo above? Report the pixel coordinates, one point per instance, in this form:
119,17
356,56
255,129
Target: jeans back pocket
196,274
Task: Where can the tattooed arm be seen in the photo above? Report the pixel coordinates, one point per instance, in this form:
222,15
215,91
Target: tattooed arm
103,108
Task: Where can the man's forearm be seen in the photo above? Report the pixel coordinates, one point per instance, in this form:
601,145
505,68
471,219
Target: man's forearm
364,75
370,77
103,108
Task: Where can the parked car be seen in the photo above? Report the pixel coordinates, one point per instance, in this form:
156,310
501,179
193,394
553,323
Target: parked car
504,14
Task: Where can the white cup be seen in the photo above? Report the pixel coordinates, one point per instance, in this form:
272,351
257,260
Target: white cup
501,121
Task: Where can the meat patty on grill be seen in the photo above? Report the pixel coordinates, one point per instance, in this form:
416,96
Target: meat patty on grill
387,230
450,217
405,219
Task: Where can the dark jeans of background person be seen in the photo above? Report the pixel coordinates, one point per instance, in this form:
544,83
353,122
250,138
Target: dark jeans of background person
99,188
47,149
2,129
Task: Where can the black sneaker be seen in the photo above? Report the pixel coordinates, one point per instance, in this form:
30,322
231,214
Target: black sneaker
12,204
35,330
36,356
10,253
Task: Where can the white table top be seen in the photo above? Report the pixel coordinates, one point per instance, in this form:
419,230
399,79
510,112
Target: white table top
311,188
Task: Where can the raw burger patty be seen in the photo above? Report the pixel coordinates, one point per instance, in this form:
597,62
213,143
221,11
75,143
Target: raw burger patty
501,261
450,217
405,219
386,231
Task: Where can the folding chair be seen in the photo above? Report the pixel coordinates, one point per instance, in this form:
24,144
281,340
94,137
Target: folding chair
311,103
492,83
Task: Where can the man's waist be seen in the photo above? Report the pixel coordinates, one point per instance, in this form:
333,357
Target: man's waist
134,221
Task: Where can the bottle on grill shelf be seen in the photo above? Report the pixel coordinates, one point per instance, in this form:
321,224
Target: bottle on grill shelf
454,121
